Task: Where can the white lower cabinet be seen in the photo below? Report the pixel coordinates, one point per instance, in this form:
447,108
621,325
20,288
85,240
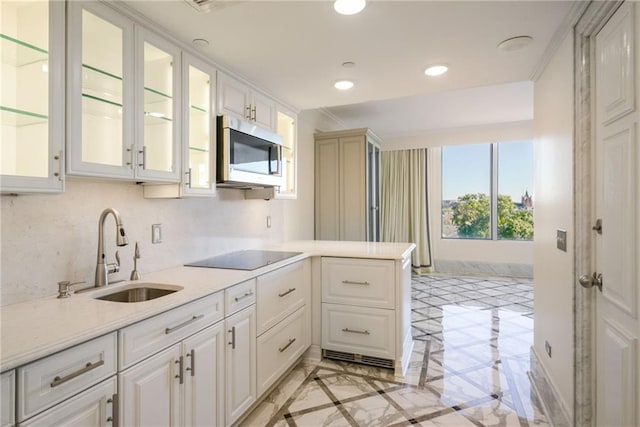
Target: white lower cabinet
241,363
8,397
178,386
94,407
280,347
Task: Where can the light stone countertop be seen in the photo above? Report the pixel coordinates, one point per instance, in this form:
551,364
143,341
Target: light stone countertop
37,328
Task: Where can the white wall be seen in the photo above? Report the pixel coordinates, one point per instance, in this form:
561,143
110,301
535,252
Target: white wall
50,238
512,258
553,269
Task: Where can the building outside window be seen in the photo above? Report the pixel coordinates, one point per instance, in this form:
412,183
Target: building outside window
487,191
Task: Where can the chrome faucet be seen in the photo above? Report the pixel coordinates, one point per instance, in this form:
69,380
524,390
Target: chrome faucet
103,269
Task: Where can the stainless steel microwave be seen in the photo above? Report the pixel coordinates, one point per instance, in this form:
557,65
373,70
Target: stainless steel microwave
247,155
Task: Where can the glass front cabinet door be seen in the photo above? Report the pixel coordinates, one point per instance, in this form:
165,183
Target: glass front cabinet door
32,97
199,132
121,98
287,130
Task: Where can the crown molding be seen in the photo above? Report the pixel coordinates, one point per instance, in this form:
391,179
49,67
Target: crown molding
567,25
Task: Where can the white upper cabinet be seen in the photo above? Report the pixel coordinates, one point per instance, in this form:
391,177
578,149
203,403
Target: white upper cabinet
100,91
32,97
123,93
239,100
157,108
198,134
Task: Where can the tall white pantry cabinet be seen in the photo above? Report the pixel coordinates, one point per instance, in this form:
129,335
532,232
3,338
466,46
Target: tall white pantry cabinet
347,185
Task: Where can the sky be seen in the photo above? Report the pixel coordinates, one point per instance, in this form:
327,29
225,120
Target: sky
467,169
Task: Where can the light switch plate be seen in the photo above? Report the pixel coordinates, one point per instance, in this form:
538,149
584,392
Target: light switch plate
561,239
156,233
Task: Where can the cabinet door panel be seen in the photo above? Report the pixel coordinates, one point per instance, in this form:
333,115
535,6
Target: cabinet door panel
8,398
32,98
234,97
204,377
91,408
327,190
100,91
158,112
353,219
149,391
263,111
241,362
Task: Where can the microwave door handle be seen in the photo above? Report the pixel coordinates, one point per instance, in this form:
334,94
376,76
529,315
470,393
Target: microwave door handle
278,159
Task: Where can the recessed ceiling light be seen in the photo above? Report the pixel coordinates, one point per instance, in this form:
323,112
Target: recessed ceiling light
349,7
515,43
436,70
200,42
343,84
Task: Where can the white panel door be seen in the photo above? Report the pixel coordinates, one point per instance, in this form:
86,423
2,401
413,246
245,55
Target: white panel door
328,189
353,192
241,362
264,111
203,356
617,160
149,391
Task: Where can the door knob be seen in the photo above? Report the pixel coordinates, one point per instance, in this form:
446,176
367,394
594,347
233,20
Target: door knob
588,282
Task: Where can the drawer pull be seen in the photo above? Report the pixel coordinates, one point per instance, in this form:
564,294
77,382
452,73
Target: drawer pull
353,331
287,293
351,282
183,324
88,367
232,343
113,419
291,341
246,295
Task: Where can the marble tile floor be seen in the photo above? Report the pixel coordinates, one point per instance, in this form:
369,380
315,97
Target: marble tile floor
468,368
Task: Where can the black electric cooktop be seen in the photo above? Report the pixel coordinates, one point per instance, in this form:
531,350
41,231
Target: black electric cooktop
243,260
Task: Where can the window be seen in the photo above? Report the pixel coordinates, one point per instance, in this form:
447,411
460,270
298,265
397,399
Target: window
487,191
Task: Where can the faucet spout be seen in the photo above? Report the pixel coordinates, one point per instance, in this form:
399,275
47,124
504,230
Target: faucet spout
102,268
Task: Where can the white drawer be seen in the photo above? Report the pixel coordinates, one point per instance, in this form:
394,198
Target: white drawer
280,347
281,292
48,381
355,281
359,330
144,338
239,296
8,397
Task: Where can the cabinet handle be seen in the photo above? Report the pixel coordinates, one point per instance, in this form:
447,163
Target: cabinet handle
188,173
144,157
192,355
58,174
130,151
291,341
114,410
233,337
183,324
88,367
351,282
353,331
246,294
287,293
248,108
253,115
180,362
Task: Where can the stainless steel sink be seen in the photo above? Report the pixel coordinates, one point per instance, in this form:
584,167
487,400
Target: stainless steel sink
139,293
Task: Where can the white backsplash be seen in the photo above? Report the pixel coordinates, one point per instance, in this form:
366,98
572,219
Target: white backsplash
49,238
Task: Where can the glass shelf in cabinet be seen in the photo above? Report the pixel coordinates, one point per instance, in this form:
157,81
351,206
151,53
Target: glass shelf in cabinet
18,53
18,118
101,84
101,107
154,118
151,96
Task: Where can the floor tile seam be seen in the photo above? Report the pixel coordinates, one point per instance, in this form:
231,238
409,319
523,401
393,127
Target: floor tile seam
284,409
339,405
393,403
517,400
425,364
365,376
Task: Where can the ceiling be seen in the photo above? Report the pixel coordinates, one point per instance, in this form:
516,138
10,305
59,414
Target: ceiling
295,51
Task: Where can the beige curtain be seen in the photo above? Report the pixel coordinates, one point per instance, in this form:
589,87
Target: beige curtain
404,203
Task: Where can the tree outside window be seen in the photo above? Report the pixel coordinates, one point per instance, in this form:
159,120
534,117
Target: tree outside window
470,209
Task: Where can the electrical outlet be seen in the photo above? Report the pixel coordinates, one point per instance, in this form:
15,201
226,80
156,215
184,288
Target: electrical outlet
268,221
547,348
156,233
